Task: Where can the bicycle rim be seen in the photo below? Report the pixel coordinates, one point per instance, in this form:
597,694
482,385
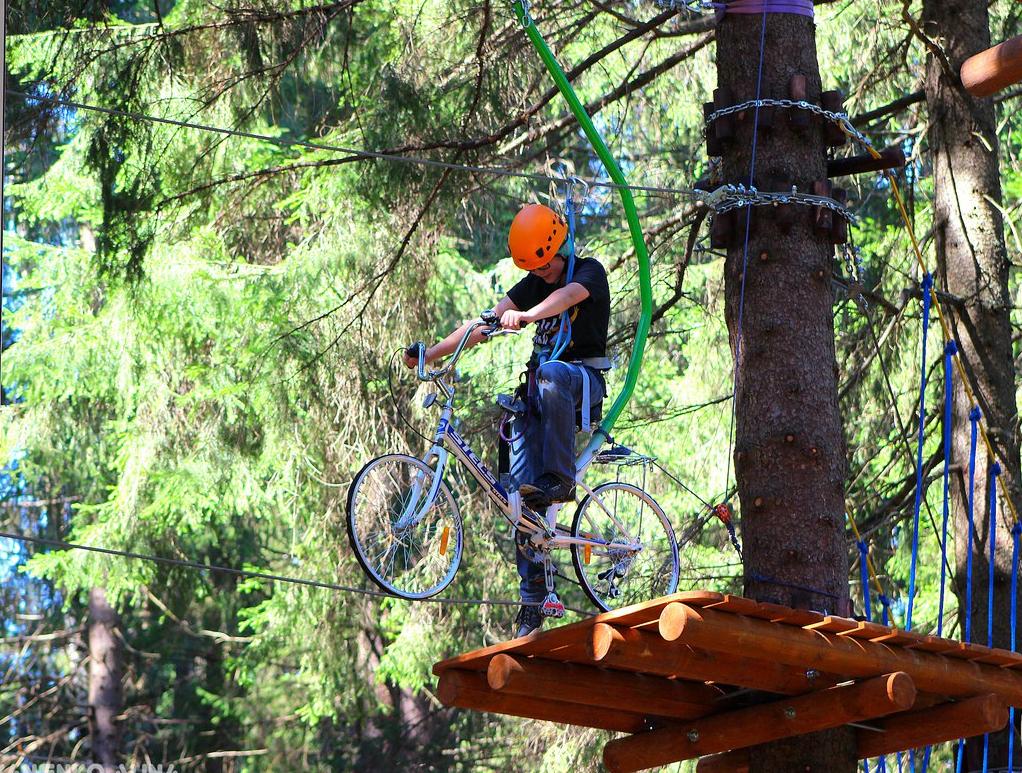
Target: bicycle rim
614,575
406,545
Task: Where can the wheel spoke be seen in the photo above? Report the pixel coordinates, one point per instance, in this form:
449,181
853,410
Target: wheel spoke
615,576
384,494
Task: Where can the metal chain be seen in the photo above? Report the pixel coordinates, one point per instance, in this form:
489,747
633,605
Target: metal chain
840,119
856,273
689,6
728,197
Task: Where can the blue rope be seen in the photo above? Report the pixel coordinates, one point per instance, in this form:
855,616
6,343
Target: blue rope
563,337
974,417
745,247
1016,533
864,575
927,299
949,351
885,618
995,470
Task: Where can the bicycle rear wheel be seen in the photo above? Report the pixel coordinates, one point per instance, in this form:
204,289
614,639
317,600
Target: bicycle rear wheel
409,546
635,558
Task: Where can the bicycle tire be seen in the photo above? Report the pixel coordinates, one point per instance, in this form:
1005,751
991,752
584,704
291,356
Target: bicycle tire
433,544
613,582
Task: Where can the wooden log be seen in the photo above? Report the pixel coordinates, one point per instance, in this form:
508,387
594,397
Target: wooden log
996,68
714,147
973,716
839,235
890,158
823,218
899,732
783,217
723,229
725,762
761,724
724,127
598,687
560,643
469,690
798,119
720,632
833,101
630,649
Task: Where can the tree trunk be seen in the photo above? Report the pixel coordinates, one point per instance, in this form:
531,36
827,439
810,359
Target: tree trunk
790,449
106,669
973,266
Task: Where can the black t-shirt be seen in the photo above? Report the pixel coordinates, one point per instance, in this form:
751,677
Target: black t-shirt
589,319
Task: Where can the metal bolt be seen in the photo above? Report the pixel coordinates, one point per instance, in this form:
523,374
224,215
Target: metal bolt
812,673
789,712
693,735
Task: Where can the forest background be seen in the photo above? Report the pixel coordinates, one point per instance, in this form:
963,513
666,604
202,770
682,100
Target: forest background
200,333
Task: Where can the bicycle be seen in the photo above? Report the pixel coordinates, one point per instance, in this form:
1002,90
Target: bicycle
406,531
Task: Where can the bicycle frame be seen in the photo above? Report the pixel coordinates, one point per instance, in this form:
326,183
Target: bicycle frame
447,441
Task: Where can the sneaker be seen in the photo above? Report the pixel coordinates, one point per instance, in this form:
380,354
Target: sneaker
529,619
546,490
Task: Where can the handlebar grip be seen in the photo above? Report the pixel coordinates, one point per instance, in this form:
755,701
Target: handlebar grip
413,350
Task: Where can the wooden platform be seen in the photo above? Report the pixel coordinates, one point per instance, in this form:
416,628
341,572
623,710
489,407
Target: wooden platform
699,674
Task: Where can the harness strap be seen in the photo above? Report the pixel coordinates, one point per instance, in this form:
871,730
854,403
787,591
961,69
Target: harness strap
596,363
587,400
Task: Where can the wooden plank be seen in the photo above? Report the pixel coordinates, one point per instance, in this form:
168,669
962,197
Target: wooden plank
996,68
973,716
761,724
867,630
1002,658
716,632
781,614
933,644
469,690
831,624
737,605
642,695
968,651
896,638
630,649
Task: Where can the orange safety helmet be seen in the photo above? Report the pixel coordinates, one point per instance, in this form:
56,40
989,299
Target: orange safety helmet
537,232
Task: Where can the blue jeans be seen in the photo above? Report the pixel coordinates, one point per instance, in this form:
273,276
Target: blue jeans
547,445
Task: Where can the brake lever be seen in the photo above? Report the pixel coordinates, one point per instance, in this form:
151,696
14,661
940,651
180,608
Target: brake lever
500,331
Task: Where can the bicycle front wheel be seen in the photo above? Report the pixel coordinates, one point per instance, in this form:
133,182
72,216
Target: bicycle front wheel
632,553
407,544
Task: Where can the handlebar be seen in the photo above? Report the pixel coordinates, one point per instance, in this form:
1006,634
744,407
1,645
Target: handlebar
487,319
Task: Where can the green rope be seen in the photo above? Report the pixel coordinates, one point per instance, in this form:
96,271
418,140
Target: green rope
631,213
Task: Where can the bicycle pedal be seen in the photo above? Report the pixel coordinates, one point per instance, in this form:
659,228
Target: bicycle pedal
552,606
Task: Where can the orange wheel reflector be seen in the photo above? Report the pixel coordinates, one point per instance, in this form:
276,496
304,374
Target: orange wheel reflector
587,554
443,540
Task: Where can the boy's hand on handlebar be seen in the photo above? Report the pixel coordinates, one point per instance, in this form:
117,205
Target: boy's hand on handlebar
514,320
411,356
